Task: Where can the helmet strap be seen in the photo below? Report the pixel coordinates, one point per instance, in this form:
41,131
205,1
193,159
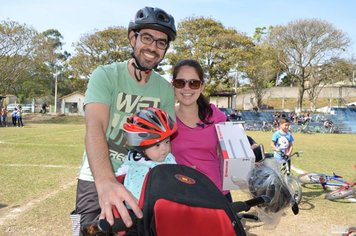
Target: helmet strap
138,155
136,64
138,69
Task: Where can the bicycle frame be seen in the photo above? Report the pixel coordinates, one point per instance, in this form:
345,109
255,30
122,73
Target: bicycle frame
323,179
335,177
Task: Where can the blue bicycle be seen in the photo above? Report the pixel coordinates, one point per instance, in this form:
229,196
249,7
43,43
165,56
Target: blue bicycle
344,190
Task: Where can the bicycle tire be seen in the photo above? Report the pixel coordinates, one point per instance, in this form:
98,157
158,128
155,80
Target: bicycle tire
295,188
311,178
340,193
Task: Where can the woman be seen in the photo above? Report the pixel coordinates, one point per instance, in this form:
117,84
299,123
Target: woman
196,142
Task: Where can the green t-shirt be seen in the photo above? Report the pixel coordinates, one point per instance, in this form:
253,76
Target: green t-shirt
112,85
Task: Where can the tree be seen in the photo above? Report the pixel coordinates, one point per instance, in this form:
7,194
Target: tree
101,47
50,62
218,49
328,73
261,69
304,44
16,45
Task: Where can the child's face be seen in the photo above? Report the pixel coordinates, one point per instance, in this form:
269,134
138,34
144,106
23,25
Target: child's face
284,127
159,151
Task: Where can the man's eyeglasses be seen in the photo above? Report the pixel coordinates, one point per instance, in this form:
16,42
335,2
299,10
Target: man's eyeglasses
149,39
193,84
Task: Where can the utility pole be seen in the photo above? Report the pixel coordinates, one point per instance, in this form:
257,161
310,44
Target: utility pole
55,92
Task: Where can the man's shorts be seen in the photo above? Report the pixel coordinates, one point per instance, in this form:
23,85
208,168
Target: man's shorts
87,207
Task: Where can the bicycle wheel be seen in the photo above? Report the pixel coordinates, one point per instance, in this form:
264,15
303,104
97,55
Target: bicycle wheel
311,178
295,188
340,193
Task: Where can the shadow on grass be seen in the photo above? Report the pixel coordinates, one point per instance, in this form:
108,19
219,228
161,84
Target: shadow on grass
3,205
310,192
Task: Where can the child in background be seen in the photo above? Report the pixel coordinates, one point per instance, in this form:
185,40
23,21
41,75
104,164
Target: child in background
148,135
14,117
282,141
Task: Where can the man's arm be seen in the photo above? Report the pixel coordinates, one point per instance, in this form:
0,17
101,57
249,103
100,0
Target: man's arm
110,191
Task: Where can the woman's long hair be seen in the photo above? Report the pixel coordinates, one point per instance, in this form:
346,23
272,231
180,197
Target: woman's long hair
204,109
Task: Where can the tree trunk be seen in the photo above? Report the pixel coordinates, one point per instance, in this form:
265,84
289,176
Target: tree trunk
300,97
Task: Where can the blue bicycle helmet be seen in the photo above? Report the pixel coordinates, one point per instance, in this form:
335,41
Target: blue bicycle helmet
154,18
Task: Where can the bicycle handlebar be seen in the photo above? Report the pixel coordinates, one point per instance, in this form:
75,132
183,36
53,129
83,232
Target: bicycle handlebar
246,205
103,226
270,155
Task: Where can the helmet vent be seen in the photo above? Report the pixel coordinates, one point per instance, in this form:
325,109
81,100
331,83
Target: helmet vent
140,15
143,135
163,17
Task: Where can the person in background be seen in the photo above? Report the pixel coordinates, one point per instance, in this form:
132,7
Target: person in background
44,108
282,141
196,142
115,92
2,123
14,117
4,116
19,117
239,115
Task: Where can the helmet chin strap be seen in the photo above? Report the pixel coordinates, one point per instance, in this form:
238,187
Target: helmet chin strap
138,69
137,155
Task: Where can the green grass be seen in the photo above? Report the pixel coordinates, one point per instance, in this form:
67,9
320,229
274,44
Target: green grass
39,165
320,152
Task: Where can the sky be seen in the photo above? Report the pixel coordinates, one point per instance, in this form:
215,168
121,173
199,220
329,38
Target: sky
75,18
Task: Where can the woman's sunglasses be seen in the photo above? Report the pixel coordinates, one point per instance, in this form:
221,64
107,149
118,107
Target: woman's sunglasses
180,83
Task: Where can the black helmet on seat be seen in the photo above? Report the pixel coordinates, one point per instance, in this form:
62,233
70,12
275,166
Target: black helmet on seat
154,18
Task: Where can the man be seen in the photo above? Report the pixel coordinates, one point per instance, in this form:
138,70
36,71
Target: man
44,108
115,92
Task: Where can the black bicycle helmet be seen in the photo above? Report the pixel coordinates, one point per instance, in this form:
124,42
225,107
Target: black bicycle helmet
264,180
154,18
148,127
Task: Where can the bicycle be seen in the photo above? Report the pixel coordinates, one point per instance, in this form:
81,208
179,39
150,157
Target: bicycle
266,127
345,188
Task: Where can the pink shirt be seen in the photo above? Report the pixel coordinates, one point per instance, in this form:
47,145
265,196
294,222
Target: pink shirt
197,147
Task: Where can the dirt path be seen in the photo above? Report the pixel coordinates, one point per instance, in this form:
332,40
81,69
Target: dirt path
14,212
317,217
305,223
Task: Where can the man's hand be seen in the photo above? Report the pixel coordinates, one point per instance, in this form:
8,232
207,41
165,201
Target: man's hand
113,194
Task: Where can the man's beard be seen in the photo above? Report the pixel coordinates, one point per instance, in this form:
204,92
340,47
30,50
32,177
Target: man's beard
146,64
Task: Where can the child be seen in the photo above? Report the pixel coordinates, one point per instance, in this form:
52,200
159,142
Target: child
282,141
148,135
14,116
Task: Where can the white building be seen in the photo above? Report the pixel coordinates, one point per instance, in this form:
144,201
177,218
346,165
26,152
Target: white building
72,104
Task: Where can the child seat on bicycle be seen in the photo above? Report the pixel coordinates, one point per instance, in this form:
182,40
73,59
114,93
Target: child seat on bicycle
147,135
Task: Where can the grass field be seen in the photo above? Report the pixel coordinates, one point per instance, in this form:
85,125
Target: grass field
39,164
